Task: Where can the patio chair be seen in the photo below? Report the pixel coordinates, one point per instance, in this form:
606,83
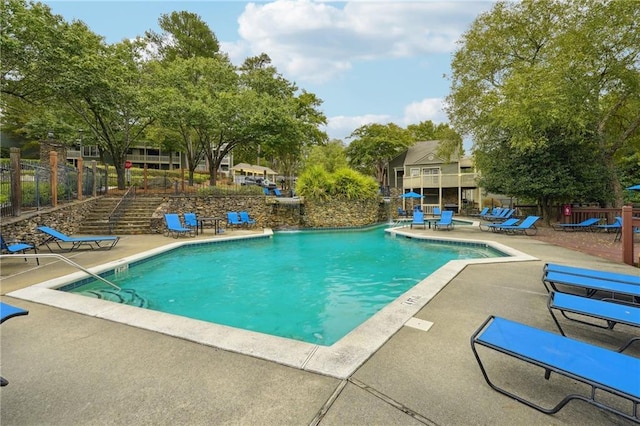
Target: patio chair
436,211
603,370
246,220
445,222
101,242
585,225
591,285
495,227
6,312
526,227
15,247
277,192
502,215
174,226
191,221
266,191
483,212
418,219
402,212
495,212
592,273
233,219
615,226
607,313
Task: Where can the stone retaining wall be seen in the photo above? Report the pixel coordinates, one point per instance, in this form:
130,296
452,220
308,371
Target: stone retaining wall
267,212
65,218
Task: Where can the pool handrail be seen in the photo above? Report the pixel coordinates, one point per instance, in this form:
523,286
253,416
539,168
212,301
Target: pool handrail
64,259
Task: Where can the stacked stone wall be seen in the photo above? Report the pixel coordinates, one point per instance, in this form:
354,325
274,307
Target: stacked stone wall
65,218
267,212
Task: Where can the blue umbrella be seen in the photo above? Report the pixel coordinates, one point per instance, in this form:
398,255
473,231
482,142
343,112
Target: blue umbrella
634,188
411,194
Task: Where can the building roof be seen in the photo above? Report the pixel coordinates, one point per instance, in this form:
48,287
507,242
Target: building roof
426,152
253,169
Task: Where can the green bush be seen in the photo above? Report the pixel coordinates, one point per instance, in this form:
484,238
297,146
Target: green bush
345,183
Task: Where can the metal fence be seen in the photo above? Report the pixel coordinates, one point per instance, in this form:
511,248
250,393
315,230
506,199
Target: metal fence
36,190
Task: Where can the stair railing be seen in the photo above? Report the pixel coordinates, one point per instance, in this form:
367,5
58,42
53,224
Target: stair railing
118,211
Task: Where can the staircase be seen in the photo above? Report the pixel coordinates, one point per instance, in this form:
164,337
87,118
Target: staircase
135,220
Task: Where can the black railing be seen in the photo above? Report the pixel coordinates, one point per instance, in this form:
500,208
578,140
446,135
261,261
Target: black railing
118,211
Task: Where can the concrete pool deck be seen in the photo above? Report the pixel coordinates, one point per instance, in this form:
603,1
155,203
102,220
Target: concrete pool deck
68,368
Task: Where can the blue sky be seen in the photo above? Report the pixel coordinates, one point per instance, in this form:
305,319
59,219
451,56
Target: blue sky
369,61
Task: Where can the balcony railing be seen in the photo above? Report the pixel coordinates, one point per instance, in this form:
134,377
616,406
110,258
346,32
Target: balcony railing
444,181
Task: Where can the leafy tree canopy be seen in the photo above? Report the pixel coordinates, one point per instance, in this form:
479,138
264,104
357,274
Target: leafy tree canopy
535,78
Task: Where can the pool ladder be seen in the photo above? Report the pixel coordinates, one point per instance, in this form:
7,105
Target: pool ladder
124,296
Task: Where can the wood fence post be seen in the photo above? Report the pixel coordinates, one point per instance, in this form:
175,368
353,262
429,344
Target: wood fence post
627,235
53,162
16,181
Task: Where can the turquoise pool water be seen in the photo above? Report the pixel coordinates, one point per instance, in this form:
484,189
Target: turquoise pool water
311,286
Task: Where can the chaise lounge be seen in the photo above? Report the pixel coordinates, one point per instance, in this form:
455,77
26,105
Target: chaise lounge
94,242
585,225
174,226
17,247
6,312
603,370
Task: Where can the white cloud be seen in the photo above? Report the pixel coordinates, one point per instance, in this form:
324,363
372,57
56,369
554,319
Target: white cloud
317,41
426,109
340,127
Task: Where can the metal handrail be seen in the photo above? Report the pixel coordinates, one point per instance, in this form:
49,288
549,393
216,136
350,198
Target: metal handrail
61,257
119,209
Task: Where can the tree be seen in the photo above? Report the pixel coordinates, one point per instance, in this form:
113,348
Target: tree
532,75
185,36
108,89
374,145
190,97
331,156
450,140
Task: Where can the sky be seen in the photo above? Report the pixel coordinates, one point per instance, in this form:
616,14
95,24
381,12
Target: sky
368,61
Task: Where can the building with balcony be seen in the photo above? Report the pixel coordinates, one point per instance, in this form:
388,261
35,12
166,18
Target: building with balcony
152,157
445,183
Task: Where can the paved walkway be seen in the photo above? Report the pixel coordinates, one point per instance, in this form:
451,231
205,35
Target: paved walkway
70,369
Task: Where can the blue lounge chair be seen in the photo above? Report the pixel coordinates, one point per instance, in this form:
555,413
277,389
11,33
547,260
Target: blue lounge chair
17,247
402,213
592,273
483,212
102,242
585,225
503,215
233,219
590,285
607,312
277,192
495,212
191,221
174,226
436,211
526,227
246,220
446,221
266,191
615,226
604,370
418,219
6,312
495,227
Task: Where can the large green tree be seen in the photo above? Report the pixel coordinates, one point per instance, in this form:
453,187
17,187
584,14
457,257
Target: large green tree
530,76
373,145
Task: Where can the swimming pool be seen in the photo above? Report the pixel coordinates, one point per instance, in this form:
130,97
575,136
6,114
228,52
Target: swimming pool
339,360
310,286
